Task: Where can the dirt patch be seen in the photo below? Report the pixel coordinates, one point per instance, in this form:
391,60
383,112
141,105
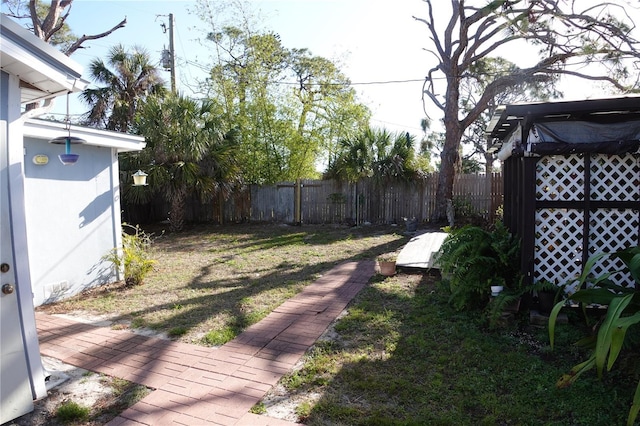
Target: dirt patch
280,402
67,383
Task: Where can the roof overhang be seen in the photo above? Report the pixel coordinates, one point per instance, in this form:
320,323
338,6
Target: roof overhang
44,71
506,118
47,130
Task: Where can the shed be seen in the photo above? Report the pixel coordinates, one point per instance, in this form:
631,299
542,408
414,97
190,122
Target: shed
571,175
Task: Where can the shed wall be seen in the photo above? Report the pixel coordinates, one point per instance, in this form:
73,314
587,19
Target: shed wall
584,204
73,214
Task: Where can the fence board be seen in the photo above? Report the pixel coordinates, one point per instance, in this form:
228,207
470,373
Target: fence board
329,201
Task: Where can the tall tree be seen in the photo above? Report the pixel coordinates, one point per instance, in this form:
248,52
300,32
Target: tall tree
481,74
323,102
289,106
49,22
245,66
127,78
568,34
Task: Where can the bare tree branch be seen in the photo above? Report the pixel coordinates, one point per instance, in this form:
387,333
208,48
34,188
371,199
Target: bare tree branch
75,46
55,20
565,36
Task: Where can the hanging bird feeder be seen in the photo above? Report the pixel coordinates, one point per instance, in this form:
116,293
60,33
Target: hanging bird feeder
68,158
140,178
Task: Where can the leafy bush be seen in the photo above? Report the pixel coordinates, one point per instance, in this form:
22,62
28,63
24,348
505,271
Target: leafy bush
472,259
623,311
465,213
134,256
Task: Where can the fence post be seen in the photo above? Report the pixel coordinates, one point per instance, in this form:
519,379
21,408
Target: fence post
297,208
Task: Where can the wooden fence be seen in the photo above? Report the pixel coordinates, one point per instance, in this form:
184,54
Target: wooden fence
329,201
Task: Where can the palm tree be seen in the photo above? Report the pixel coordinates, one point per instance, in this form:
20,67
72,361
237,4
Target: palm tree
394,156
127,79
375,153
186,153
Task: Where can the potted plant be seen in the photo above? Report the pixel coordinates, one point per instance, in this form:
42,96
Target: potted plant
411,224
496,285
387,263
548,294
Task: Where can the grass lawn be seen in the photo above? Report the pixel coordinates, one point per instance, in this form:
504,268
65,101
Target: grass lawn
403,356
211,282
400,355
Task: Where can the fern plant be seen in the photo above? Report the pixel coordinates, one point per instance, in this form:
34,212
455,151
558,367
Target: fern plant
472,259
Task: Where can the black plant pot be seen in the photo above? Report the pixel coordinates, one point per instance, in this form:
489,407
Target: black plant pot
546,299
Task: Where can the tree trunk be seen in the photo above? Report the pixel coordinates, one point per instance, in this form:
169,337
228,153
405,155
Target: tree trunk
177,211
449,158
488,170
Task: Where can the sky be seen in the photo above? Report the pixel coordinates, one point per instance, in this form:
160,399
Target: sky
378,44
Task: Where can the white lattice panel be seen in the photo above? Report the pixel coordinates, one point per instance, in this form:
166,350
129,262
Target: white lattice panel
615,177
558,245
560,178
612,230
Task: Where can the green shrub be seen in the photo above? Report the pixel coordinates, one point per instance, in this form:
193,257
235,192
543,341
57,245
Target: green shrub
472,259
134,256
465,213
70,412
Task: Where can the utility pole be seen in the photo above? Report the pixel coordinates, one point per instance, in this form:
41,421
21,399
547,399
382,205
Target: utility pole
169,56
173,55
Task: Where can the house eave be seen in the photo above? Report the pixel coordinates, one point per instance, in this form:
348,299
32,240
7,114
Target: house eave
44,72
47,130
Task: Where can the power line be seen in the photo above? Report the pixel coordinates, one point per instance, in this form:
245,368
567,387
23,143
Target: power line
295,83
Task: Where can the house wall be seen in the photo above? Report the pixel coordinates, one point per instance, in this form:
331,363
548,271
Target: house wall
73,214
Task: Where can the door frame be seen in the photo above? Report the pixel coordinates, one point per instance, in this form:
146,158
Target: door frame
15,177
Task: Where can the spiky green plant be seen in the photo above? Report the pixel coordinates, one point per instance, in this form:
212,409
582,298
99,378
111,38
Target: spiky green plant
623,311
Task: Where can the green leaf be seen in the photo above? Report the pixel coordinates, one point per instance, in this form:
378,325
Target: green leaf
568,379
553,316
589,266
597,295
631,258
605,332
618,335
635,407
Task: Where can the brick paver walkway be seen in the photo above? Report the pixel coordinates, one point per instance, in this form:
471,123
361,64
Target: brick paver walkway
195,385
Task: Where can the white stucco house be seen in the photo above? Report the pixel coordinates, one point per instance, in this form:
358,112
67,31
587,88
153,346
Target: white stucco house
56,221
72,212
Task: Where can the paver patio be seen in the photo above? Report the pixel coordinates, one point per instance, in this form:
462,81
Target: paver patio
196,385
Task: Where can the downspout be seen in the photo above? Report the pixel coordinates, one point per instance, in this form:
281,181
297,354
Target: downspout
48,105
